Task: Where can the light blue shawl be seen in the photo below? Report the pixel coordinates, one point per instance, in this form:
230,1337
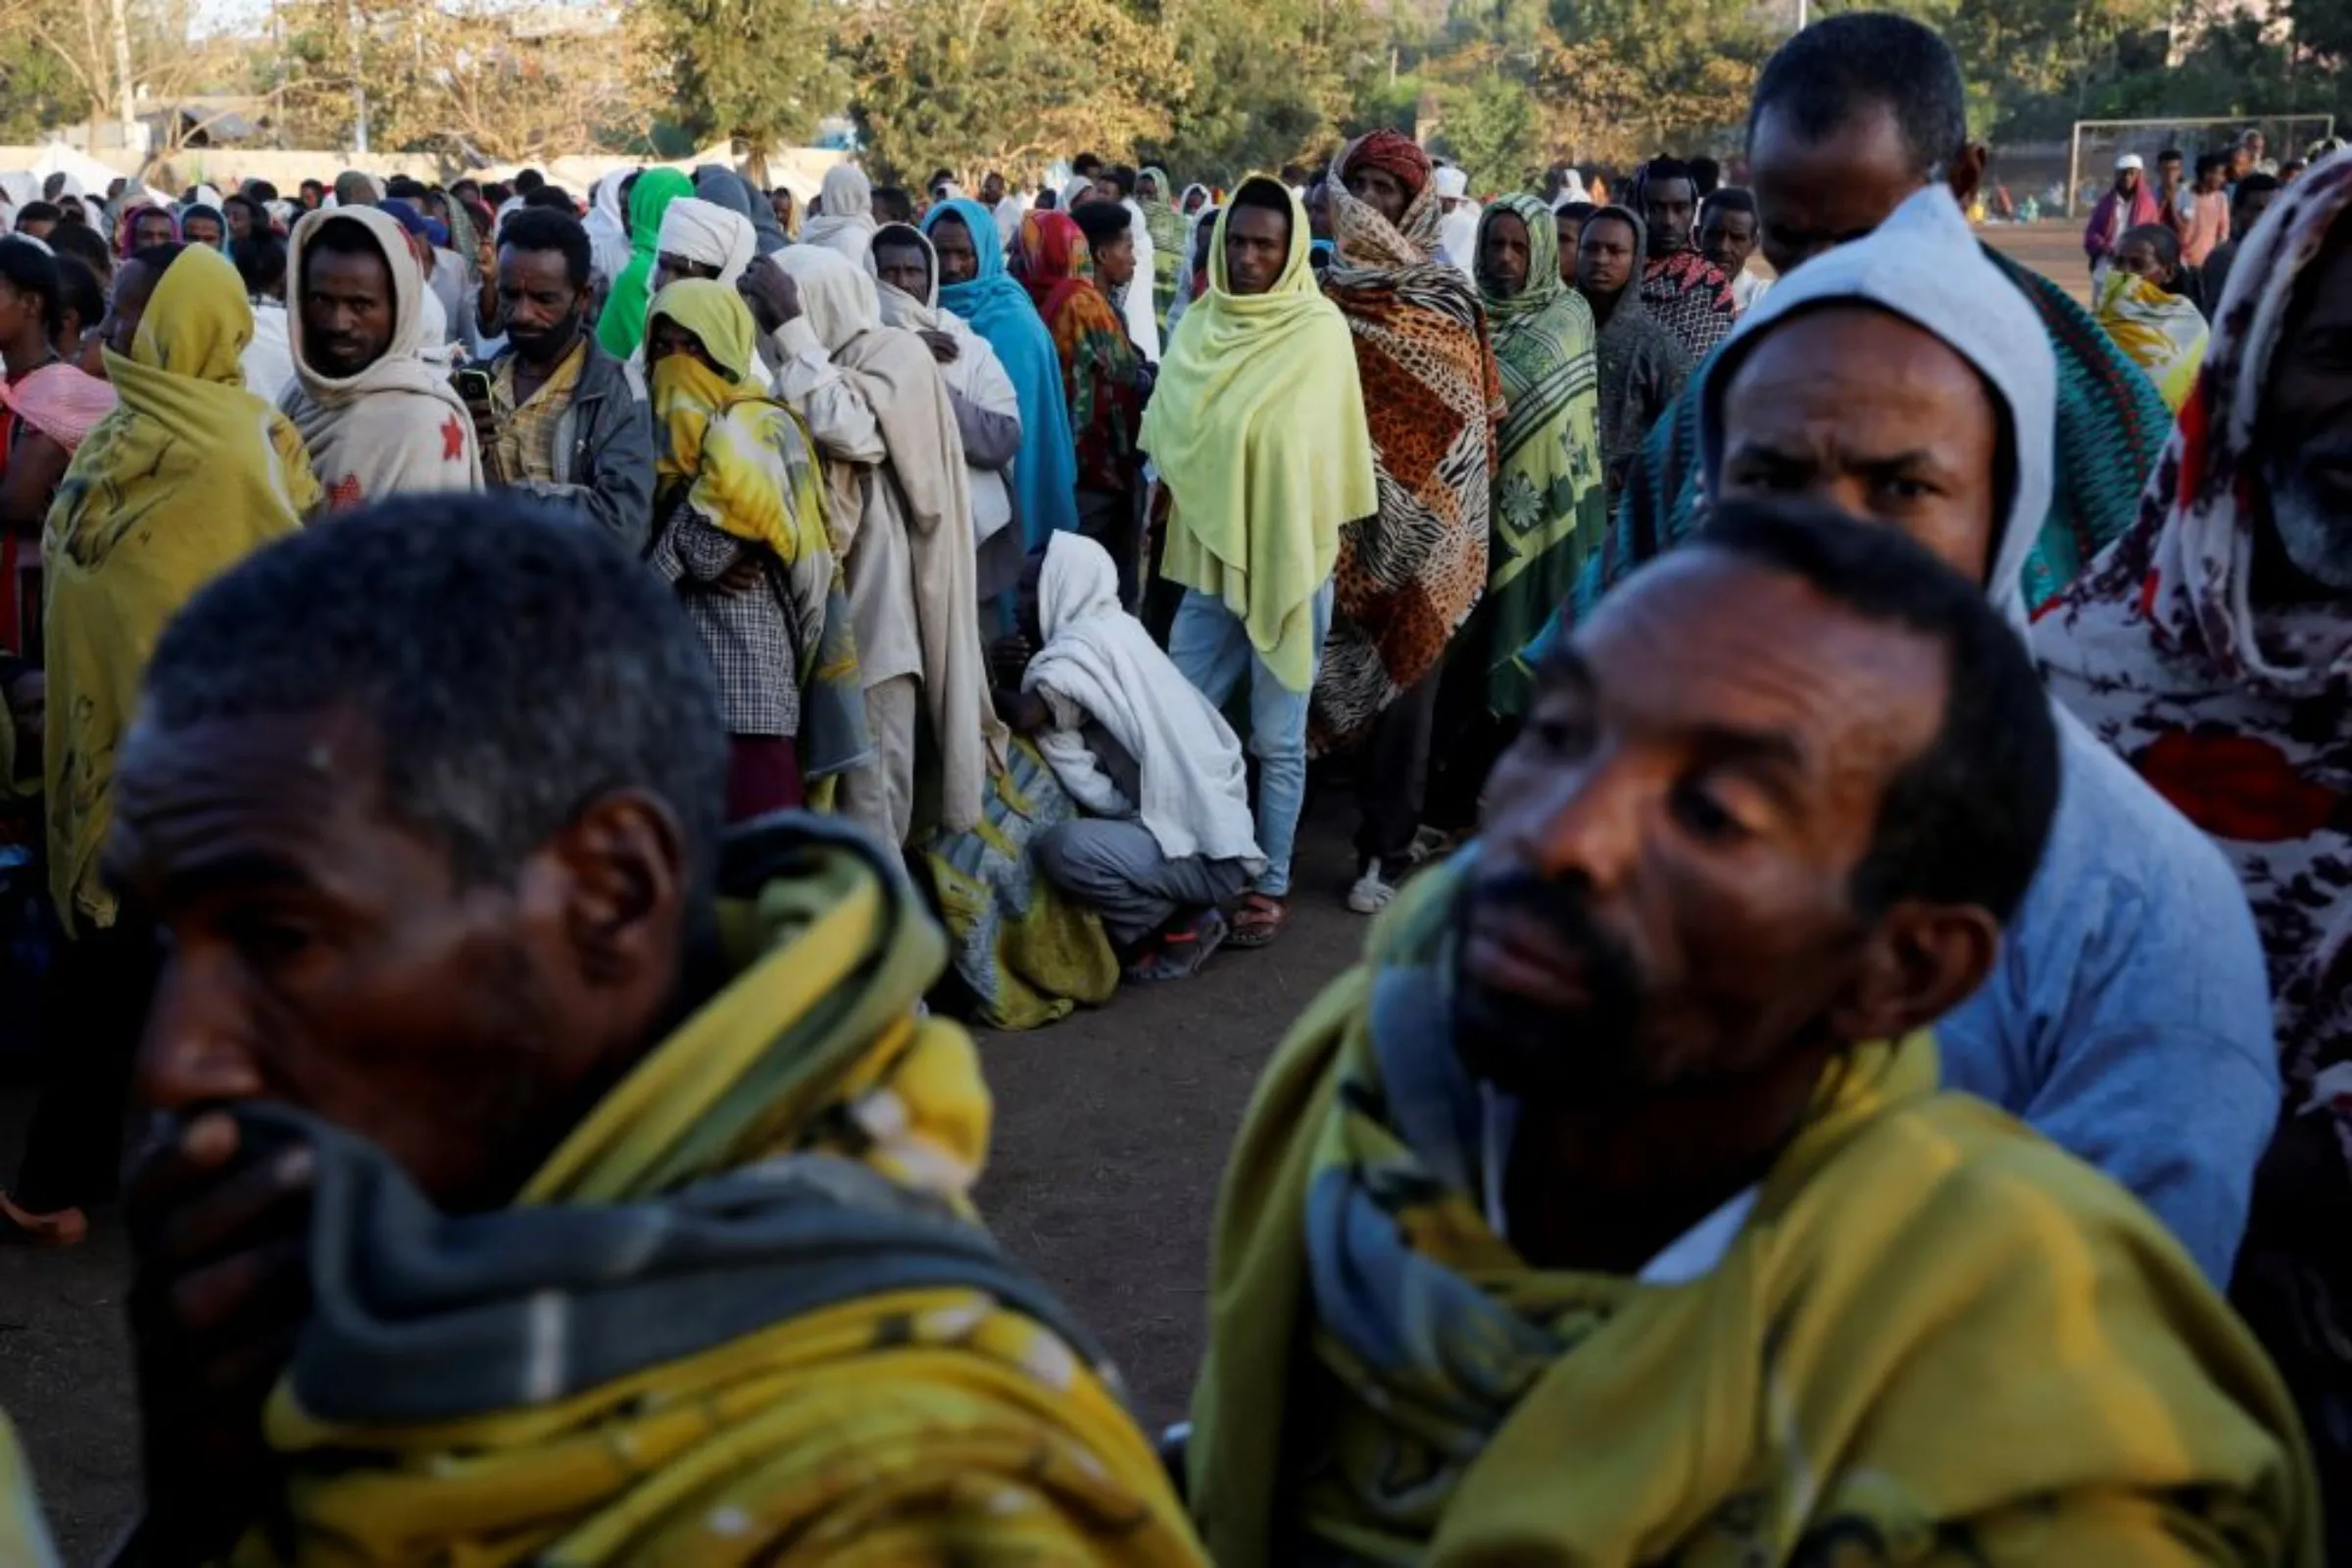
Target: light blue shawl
1046,475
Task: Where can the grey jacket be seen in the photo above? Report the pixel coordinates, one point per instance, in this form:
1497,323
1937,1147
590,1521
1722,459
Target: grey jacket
604,448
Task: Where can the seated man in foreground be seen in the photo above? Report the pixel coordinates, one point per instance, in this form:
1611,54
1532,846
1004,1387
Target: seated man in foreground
510,1118
1611,1212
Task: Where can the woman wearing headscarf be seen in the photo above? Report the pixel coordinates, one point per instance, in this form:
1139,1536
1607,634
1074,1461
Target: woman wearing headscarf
2211,645
1410,576
963,235
1191,268
1102,377
1549,498
847,224
187,477
1156,198
622,327
739,530
722,187
988,411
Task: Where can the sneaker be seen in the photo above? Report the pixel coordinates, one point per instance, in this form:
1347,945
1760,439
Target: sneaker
65,1227
1371,894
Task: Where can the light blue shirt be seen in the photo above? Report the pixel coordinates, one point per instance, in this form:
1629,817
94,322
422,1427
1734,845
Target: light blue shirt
2129,1015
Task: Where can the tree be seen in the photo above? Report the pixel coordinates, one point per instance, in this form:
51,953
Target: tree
1005,84
1272,80
1492,129
759,71
100,56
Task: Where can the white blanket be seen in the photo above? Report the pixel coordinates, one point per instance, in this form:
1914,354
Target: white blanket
1099,664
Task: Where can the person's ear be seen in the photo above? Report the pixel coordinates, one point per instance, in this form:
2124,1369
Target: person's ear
1966,172
1923,961
619,867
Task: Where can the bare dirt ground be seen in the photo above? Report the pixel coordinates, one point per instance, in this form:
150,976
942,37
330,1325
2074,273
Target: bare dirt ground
1112,1130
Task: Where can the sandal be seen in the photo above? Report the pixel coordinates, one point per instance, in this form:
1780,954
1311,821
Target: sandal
1259,920
1178,952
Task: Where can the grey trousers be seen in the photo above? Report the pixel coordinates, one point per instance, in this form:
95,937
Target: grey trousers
1118,870
880,796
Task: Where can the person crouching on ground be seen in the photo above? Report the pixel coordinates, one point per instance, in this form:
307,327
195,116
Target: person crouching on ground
1168,837
572,1185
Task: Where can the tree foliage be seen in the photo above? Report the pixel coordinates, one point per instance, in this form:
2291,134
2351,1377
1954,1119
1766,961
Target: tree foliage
978,84
757,71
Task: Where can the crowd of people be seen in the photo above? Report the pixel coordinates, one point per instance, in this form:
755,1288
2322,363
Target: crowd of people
531,714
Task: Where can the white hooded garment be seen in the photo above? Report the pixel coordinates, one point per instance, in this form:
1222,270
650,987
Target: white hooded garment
1098,663
397,425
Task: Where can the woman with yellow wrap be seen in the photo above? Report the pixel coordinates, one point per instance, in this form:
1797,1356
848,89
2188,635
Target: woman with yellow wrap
739,515
188,474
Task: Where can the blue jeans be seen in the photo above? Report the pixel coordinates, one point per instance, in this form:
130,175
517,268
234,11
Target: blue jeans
1212,646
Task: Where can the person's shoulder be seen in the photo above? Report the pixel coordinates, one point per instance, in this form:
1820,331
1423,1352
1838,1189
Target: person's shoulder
2119,826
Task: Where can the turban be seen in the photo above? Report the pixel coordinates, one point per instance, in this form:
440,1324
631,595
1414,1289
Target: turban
1398,154
704,232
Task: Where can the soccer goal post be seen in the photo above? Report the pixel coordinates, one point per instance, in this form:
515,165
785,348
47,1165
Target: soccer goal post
2097,143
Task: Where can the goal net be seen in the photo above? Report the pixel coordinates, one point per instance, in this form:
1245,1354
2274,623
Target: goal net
2098,143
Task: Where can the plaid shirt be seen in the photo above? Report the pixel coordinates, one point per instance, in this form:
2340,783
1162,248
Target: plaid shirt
749,634
526,435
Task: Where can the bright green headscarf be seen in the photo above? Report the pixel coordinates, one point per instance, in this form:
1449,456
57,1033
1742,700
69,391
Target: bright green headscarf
1258,427
622,325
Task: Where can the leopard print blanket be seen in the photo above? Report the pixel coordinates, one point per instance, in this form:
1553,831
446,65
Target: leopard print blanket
1408,576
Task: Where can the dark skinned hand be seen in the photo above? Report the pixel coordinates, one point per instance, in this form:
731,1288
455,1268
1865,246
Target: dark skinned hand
943,345
772,293
1009,658
744,575
221,1230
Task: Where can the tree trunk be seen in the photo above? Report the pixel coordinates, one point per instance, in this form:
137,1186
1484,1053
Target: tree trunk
126,93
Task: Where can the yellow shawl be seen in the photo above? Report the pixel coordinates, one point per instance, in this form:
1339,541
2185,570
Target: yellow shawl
24,1537
929,1425
188,475
2164,334
1935,1338
1258,428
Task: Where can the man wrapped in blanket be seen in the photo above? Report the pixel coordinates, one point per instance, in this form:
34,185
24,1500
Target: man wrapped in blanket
542,1179
1611,1212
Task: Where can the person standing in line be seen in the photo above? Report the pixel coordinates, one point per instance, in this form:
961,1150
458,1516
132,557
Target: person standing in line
2211,647
1258,429
2247,204
188,473
1408,576
566,419
620,327
901,513
1104,378
48,407
976,285
739,530
1727,237
2128,205
1687,293
1642,365
2209,210
988,411
378,418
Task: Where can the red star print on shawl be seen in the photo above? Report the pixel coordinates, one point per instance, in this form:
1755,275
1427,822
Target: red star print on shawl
453,441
